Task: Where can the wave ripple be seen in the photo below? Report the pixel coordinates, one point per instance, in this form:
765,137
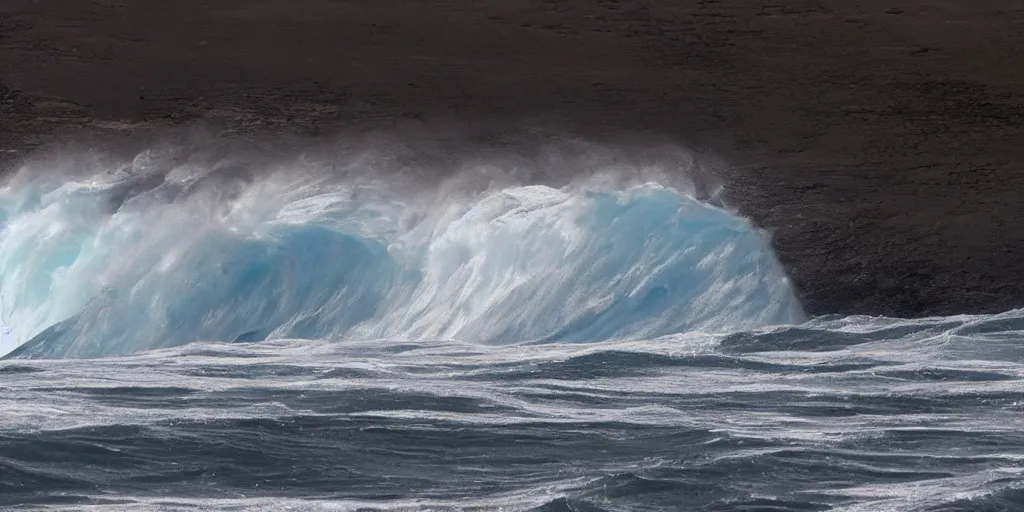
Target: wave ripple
914,416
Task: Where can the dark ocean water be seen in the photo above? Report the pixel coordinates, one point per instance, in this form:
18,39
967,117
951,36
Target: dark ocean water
837,414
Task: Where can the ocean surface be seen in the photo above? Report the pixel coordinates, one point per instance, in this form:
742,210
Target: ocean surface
194,329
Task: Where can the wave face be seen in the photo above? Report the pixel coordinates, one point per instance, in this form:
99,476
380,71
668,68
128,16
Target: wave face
167,249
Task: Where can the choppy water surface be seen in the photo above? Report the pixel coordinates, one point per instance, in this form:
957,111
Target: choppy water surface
841,414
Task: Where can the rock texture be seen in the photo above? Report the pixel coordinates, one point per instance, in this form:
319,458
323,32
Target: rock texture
882,142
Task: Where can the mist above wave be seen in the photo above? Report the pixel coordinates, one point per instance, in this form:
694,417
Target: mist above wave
175,245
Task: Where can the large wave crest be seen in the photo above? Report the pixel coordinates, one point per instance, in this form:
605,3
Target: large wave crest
161,251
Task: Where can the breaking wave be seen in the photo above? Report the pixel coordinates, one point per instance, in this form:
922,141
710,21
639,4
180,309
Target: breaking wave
160,251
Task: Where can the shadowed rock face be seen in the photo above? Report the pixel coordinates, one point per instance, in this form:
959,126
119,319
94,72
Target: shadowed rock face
882,142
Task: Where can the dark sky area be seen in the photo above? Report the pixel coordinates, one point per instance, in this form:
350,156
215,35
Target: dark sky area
881,142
